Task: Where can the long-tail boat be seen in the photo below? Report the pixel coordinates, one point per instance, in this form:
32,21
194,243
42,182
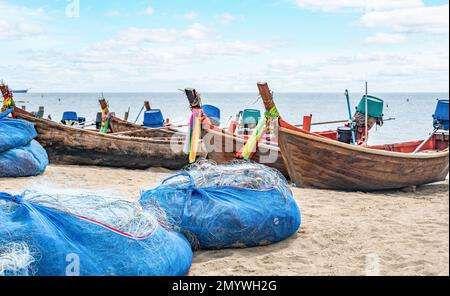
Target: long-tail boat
321,162
74,146
222,145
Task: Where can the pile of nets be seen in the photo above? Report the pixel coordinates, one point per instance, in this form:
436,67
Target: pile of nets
237,205
20,155
87,235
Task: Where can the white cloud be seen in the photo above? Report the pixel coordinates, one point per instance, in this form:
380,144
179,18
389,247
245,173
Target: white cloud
197,31
424,69
18,22
138,35
149,11
327,5
432,19
226,18
143,58
19,31
190,16
385,39
232,48
150,50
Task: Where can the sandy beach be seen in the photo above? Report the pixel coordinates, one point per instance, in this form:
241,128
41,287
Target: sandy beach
387,233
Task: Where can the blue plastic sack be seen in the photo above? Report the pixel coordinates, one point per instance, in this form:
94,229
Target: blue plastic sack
46,241
15,133
228,216
25,161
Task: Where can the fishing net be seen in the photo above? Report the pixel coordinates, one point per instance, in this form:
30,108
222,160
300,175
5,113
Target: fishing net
238,205
87,235
15,133
15,259
24,161
20,155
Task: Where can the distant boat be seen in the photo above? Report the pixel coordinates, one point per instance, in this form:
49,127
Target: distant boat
21,91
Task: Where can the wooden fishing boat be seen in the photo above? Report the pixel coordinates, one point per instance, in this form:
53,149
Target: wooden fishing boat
222,146
123,127
119,126
67,145
316,161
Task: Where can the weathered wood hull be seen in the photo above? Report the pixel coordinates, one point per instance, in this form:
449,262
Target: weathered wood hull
119,126
318,162
222,148
67,145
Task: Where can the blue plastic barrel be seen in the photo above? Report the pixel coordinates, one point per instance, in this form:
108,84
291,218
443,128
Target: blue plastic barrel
153,118
441,118
70,115
213,113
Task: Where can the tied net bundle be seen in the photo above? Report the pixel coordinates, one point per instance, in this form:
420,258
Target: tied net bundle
87,235
25,161
228,206
20,155
14,132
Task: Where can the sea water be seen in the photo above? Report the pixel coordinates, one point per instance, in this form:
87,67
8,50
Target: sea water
412,111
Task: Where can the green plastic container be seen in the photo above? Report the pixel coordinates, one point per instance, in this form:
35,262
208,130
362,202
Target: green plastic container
375,105
251,116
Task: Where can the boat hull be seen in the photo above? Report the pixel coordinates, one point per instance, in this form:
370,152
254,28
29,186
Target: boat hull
322,163
72,146
222,148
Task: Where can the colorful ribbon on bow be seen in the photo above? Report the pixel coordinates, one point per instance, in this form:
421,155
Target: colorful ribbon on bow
193,135
250,146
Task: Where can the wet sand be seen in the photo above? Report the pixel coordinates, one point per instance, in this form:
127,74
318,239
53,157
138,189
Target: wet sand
385,233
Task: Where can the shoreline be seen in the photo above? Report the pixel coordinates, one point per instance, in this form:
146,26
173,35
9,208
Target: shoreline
342,233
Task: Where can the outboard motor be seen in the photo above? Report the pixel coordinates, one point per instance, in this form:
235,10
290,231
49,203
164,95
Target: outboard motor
69,118
345,135
375,115
441,118
98,120
213,113
250,119
153,119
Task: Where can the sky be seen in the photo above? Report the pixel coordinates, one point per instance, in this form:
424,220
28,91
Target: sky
225,45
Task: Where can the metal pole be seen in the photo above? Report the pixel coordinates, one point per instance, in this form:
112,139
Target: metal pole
367,118
350,119
424,142
139,115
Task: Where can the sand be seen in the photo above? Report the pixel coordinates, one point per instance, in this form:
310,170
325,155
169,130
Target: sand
387,233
